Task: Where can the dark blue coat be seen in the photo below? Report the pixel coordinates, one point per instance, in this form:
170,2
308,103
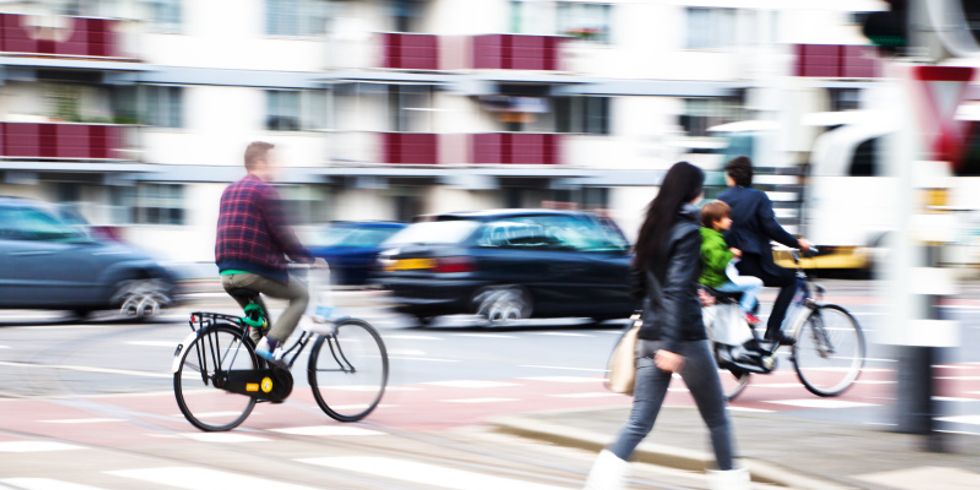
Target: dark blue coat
754,222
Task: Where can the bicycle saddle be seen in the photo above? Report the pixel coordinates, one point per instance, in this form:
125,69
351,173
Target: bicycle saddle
243,293
723,297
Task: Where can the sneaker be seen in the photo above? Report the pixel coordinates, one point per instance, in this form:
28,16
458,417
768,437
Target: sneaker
266,350
752,319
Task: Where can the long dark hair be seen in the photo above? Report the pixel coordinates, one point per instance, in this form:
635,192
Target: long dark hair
682,184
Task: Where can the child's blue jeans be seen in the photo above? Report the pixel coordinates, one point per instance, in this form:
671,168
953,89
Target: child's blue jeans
749,287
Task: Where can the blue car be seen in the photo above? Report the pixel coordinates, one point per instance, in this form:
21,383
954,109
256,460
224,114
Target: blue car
351,248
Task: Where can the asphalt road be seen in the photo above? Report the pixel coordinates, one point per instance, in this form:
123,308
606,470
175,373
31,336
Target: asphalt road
91,404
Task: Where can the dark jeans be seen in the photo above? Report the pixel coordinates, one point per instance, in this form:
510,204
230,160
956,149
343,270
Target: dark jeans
701,376
772,276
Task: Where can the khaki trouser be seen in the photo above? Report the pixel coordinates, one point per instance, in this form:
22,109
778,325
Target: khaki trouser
295,292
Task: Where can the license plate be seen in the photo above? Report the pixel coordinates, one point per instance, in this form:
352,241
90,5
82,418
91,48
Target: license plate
411,264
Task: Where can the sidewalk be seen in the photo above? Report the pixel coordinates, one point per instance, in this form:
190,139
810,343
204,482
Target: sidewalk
781,450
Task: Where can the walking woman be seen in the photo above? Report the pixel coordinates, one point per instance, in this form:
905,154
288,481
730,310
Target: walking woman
672,338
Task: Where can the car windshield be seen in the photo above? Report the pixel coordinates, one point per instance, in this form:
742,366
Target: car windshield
24,223
354,236
564,232
434,232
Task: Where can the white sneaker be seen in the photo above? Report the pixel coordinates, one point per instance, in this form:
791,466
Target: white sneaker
608,472
737,479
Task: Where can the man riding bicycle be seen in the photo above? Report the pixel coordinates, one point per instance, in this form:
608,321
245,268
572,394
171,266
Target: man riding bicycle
252,244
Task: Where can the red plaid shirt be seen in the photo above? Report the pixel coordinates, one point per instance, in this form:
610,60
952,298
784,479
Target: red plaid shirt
253,235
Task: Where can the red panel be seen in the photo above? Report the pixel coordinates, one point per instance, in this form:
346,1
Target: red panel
487,148
21,139
822,50
551,46
99,144
100,37
16,38
389,50
410,148
77,42
72,141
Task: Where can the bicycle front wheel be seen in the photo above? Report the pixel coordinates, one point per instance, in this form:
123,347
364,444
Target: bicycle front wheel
348,371
829,351
214,352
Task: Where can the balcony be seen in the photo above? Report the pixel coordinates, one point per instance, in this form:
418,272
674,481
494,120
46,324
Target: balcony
83,37
515,52
836,61
65,141
406,51
515,148
410,148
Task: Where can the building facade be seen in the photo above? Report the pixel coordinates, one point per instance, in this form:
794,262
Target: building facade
139,110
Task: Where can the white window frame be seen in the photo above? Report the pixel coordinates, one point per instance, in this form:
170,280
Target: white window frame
570,16
718,29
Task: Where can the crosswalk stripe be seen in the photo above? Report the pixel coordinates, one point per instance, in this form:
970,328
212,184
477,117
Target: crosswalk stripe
561,334
411,337
470,384
563,368
820,403
328,431
83,421
88,369
588,394
749,409
564,379
44,484
222,437
482,400
425,474
153,343
35,446
487,336
195,478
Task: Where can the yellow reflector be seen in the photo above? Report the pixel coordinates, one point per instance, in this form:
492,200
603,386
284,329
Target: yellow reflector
252,387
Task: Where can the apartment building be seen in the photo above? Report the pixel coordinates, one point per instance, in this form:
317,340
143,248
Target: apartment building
386,109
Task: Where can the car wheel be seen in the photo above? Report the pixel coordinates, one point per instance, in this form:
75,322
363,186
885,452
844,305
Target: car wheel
141,298
503,305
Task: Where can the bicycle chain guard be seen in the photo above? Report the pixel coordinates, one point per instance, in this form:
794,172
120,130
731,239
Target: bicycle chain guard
273,384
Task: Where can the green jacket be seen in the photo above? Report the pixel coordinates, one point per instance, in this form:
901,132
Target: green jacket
715,257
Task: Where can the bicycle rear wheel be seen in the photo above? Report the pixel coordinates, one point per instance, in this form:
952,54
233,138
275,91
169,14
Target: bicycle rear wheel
733,383
829,351
348,371
213,352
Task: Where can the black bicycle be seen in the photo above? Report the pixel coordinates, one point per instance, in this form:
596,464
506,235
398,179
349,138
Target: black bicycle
828,355
218,378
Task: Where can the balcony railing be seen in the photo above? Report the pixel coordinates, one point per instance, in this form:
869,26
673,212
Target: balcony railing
515,148
86,37
61,141
407,51
410,148
836,61
515,52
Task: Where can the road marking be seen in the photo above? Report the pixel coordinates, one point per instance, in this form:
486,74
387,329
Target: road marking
470,384
609,332
423,359
564,379
955,399
5,347
411,337
88,369
487,336
959,378
82,421
952,366
818,403
846,369
961,419
429,475
749,409
923,477
153,343
406,352
222,437
194,478
875,382
328,431
35,446
482,400
588,394
561,334
561,368
777,386
44,484
370,388
211,415
356,406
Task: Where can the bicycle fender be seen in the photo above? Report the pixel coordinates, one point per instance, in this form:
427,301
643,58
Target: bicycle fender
179,351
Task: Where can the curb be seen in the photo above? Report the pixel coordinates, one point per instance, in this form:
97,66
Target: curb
658,454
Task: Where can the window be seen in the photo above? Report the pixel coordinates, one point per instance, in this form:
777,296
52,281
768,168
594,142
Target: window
710,28
162,106
558,232
864,163
588,115
166,15
296,17
586,21
844,99
34,224
159,204
296,110
700,114
409,107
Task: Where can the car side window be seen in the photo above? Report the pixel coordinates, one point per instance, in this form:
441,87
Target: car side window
32,224
516,233
581,233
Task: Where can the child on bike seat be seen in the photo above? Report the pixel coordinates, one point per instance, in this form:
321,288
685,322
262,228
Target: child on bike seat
718,259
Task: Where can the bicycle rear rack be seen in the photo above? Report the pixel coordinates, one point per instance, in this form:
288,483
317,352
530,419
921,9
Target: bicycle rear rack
203,319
